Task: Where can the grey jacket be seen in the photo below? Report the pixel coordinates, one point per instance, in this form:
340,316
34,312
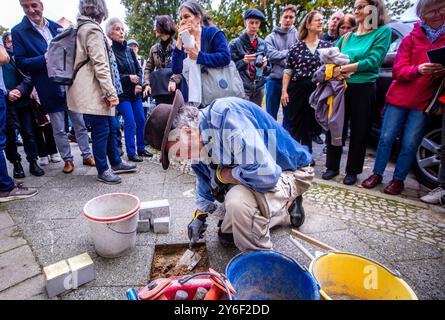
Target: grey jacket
319,101
278,44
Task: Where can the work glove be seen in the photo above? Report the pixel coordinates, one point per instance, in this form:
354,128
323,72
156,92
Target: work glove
218,188
197,226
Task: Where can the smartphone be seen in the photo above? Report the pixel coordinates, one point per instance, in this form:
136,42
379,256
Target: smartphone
187,40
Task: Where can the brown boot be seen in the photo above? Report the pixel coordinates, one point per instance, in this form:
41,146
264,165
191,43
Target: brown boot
89,161
69,167
372,181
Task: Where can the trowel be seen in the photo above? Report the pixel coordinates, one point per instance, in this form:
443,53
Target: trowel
189,259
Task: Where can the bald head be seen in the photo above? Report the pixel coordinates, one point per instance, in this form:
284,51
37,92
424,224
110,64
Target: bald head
33,9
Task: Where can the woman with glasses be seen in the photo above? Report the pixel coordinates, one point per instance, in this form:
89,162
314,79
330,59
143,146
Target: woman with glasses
416,81
366,47
302,62
346,24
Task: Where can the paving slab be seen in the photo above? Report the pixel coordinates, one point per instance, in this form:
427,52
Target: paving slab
426,277
31,289
11,238
396,248
16,266
5,220
97,293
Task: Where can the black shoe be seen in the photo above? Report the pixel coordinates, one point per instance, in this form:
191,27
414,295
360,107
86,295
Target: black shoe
317,140
350,179
18,171
35,170
146,154
226,239
329,174
135,158
296,212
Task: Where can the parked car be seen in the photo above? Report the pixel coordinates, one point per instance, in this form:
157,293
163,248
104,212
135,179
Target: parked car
426,166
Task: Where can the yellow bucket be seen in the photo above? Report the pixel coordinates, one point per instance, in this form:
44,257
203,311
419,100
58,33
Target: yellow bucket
346,276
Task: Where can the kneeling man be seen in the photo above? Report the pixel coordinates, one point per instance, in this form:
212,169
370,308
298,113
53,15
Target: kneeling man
243,158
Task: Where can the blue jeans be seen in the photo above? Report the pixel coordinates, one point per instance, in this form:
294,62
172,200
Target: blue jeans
6,182
413,123
134,119
273,100
103,136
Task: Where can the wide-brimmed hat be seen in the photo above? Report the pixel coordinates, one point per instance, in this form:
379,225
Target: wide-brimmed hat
159,125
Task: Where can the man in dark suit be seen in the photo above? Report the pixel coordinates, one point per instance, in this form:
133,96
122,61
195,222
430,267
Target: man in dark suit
30,39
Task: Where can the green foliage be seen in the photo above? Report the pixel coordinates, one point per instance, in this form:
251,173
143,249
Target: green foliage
229,15
141,17
3,29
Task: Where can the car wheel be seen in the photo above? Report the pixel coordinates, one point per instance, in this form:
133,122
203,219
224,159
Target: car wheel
427,164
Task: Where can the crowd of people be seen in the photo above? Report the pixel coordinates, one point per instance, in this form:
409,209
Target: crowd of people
285,69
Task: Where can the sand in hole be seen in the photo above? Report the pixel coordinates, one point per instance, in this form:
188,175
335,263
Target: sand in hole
167,256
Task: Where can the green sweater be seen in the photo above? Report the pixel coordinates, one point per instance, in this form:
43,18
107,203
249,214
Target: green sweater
369,50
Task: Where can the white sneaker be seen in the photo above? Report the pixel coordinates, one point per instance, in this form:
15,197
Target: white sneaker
56,158
437,196
43,161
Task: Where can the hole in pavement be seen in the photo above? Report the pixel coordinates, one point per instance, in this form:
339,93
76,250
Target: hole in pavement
166,257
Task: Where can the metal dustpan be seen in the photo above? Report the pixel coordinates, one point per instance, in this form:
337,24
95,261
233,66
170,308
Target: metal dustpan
189,259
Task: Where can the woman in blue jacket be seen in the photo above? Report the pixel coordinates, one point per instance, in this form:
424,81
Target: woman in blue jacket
130,105
194,20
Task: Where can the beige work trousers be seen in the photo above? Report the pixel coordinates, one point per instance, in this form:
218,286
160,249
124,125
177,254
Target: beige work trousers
250,215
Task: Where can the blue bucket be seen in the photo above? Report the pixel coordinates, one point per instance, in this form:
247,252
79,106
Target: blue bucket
270,275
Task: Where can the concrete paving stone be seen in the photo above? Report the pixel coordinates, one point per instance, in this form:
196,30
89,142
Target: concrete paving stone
347,241
395,248
219,257
76,232
16,266
148,192
35,182
48,255
29,213
5,220
425,275
319,223
161,225
45,232
85,193
132,269
97,293
31,289
11,238
178,232
176,191
146,239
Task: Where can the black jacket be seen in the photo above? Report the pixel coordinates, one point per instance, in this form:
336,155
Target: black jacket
128,64
241,46
16,79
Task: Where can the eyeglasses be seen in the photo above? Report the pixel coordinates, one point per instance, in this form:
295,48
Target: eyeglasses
432,13
359,7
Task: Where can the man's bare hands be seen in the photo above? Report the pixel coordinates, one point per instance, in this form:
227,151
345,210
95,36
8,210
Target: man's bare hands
14,95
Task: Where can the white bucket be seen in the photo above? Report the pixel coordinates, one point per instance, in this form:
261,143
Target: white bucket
113,223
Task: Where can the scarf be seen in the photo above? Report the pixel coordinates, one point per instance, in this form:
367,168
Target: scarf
251,50
114,70
433,34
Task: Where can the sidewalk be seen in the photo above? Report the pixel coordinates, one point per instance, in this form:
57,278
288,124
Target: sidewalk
400,232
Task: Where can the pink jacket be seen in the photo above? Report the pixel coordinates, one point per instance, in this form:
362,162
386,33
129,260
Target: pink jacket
410,89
